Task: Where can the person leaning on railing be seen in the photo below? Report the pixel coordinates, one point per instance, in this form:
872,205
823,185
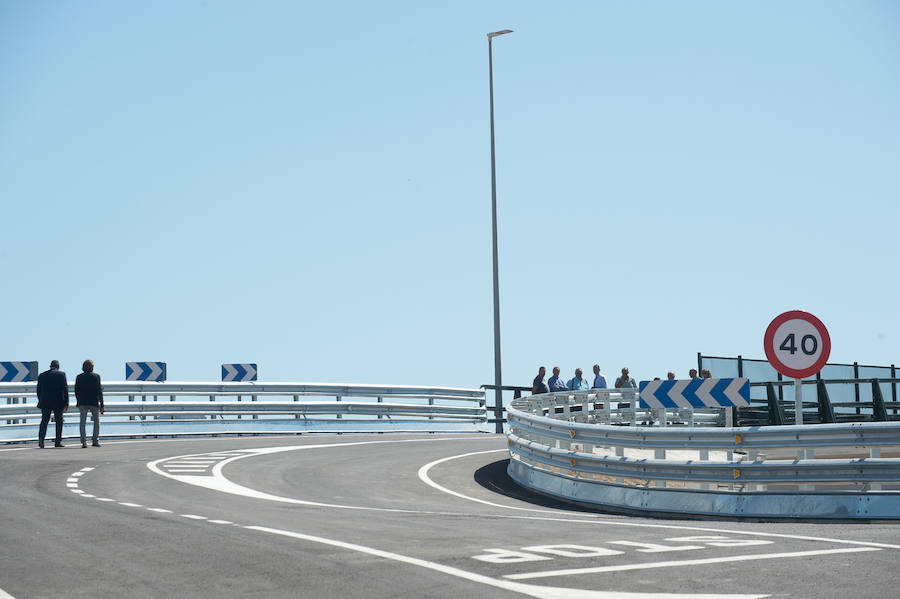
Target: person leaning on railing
555,383
578,383
625,381
539,386
599,379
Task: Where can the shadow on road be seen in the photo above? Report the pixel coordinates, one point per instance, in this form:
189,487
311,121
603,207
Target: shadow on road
494,478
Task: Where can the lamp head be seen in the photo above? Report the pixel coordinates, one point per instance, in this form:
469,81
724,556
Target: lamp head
498,33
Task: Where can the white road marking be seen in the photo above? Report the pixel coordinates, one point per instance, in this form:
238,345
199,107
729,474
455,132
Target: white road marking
221,522
423,476
103,499
159,510
682,563
5,595
193,517
13,449
127,504
526,589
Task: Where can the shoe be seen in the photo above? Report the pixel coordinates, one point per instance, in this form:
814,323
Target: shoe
58,445
96,443
40,444
83,445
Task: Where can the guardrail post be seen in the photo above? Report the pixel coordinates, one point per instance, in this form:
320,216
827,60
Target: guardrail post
339,415
379,399
131,399
255,416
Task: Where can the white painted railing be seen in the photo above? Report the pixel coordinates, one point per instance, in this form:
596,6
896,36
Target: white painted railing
847,471
173,408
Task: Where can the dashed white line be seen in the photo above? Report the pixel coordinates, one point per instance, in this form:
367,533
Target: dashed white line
194,517
159,510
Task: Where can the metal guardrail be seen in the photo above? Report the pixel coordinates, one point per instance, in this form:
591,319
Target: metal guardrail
845,471
172,408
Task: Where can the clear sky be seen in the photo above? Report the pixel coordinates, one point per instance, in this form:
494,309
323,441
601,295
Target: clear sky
307,185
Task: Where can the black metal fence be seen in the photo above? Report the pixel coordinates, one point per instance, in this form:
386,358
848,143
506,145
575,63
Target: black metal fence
851,389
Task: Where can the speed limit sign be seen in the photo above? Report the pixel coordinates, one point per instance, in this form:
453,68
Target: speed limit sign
797,344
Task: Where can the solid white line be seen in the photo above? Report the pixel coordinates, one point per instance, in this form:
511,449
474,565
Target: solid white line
423,476
5,595
690,562
526,589
13,449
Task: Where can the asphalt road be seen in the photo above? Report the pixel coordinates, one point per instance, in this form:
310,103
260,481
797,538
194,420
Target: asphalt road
374,516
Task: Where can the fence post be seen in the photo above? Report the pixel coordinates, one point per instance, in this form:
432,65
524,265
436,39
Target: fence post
498,412
894,387
856,385
826,412
776,412
879,414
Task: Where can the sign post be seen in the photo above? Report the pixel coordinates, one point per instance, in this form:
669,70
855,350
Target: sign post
797,345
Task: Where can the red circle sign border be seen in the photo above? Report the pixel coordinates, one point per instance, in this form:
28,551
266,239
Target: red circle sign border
770,351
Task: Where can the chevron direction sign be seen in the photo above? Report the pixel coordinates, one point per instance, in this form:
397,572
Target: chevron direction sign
18,372
145,371
695,393
238,372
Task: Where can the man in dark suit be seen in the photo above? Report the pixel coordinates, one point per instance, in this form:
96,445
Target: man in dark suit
53,397
89,398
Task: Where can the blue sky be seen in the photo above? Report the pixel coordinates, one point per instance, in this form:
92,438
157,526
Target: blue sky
307,186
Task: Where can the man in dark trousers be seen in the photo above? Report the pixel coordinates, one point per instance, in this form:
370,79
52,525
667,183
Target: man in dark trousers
89,398
53,397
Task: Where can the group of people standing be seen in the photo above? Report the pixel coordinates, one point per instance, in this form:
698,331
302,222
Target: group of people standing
578,382
53,398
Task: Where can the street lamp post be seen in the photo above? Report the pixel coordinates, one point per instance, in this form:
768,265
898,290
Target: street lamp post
498,406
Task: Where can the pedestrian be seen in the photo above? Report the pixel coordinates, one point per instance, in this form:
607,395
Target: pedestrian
577,383
53,398
705,373
670,376
89,398
625,381
555,383
693,373
599,379
539,386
